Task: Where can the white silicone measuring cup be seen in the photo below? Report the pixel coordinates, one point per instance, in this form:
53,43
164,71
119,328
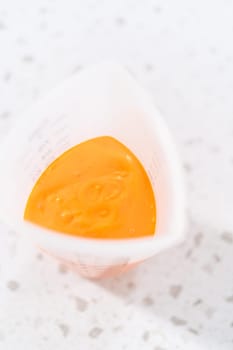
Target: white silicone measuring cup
100,100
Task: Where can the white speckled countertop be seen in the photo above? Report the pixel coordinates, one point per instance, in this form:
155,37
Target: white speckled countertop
182,52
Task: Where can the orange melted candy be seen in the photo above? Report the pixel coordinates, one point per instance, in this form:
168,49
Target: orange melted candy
97,189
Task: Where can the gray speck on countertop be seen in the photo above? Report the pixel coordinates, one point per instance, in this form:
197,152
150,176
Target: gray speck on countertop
28,59
131,285
64,329
178,321
157,9
215,149
216,258
21,41
198,239
208,268
38,322
95,332
43,10
191,53
13,285
58,34
7,77
227,237
146,336
229,58
188,253
213,50
120,21
117,329
5,115
175,291
77,68
197,302
43,25
39,256
210,312
187,167
2,336
81,304
62,268
2,25
149,67
148,301
193,141
229,299
193,331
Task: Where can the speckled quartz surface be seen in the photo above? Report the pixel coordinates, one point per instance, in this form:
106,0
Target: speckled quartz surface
182,52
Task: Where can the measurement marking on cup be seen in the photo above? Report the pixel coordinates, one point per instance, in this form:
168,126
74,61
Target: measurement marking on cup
38,132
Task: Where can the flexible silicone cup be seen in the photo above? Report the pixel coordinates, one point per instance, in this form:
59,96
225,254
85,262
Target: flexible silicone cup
101,100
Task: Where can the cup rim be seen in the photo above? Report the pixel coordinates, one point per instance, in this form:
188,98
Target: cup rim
145,246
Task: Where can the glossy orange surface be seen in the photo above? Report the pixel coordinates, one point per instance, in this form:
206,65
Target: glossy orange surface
97,189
